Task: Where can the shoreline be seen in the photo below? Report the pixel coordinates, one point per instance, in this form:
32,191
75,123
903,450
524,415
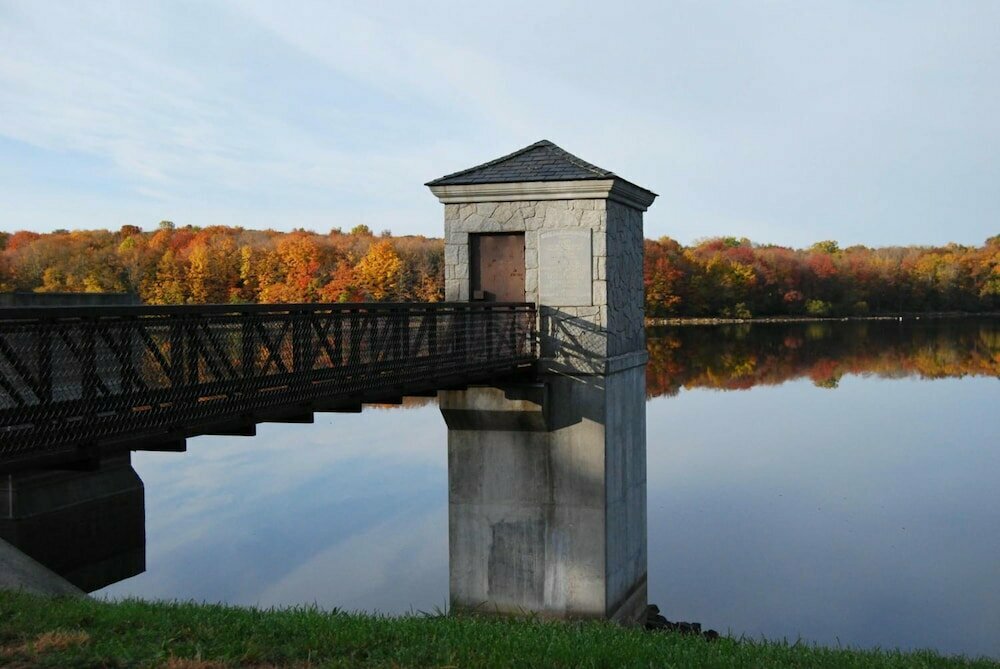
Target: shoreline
908,316
78,631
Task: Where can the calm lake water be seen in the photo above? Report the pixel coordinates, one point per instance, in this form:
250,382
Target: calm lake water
834,482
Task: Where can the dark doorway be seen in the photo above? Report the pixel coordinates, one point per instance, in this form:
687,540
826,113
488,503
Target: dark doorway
497,271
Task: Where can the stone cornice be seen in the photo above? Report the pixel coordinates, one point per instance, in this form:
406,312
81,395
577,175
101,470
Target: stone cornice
617,190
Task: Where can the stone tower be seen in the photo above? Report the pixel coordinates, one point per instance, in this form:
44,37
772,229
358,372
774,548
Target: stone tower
547,481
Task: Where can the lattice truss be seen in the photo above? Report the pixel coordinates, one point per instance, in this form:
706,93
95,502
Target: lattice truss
77,376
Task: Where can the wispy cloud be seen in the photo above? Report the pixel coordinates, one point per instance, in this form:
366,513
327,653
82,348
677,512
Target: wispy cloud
782,122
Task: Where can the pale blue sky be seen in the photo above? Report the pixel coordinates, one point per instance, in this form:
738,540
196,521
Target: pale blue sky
874,123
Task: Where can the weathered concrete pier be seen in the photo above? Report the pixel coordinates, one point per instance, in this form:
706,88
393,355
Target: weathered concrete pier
547,480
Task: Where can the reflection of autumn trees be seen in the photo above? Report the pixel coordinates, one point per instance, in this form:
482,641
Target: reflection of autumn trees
735,357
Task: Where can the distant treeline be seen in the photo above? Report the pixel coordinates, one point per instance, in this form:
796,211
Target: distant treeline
731,277
725,277
189,265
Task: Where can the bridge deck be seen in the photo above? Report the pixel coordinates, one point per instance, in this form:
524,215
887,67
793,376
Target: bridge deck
75,382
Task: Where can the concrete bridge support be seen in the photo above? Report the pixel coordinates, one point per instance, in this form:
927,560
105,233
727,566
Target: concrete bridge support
547,481
86,526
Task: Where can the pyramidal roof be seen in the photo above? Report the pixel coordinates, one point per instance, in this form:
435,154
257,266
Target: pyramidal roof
541,161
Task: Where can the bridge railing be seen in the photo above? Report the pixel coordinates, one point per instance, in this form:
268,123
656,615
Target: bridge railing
72,376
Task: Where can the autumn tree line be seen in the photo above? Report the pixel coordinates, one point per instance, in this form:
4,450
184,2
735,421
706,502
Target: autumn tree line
212,265
725,277
732,277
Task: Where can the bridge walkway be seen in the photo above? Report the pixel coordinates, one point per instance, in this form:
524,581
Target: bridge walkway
79,382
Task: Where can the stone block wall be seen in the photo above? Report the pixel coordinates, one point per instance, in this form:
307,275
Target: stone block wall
578,337
625,319
528,217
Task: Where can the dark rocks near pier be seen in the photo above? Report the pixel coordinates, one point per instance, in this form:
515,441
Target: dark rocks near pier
655,622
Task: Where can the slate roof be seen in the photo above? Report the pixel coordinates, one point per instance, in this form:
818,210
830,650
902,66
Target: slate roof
541,161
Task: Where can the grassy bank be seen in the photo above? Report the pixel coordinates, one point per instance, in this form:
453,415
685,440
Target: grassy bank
87,633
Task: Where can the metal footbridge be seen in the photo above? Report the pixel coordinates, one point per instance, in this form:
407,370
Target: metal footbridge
77,383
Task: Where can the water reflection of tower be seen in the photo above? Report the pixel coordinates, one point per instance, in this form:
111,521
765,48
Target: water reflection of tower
87,526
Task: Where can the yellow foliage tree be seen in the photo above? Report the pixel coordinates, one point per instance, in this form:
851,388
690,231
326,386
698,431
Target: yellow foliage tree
168,285
378,273
428,289
199,274
52,281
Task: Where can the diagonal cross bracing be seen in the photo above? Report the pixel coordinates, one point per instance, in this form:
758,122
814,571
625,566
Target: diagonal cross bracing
84,377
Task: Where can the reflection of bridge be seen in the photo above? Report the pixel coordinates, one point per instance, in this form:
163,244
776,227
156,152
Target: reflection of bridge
76,382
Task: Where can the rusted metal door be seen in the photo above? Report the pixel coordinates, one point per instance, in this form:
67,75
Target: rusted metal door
497,271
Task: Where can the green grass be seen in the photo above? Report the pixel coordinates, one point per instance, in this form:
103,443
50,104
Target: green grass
43,632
